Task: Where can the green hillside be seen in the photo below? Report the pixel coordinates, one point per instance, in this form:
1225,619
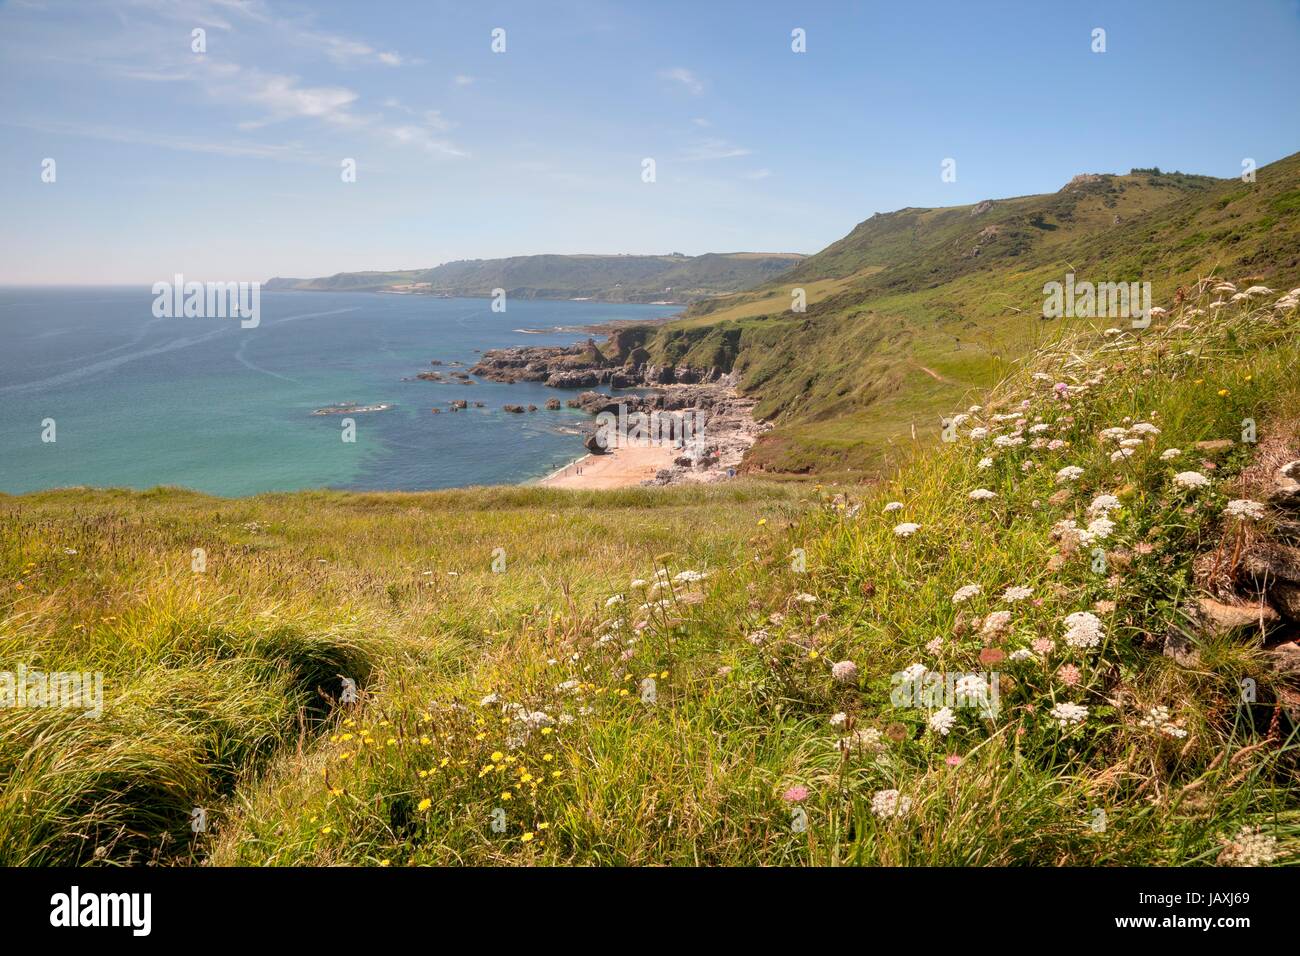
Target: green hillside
709,674
916,309
672,278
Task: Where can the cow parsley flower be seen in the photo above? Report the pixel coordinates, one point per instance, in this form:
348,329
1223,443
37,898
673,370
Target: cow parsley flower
1100,528
995,623
1244,508
845,672
893,506
1067,714
942,721
1169,454
1017,593
985,464
906,529
1190,479
890,803
1068,473
965,593
982,494
1083,629
1249,847
1103,504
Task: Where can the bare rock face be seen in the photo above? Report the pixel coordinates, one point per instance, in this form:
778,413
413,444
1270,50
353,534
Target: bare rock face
1268,562
1222,617
1284,661
1286,598
1286,486
1215,446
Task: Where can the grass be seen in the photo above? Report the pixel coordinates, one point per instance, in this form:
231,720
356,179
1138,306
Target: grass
530,716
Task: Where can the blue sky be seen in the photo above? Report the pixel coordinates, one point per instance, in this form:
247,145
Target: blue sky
225,165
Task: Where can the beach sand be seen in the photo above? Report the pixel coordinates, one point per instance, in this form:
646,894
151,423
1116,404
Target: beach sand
617,469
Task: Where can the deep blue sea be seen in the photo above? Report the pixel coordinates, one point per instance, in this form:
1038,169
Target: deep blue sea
139,401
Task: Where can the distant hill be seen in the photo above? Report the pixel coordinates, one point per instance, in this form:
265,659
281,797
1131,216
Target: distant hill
672,278
914,311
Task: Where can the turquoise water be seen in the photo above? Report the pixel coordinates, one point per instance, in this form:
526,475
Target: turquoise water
202,403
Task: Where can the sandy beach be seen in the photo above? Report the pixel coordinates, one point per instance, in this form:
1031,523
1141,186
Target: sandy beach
616,469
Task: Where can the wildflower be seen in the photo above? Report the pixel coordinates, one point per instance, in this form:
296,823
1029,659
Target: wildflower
1190,479
952,760
1067,714
1103,504
527,837
845,672
805,598
906,529
1100,528
1021,654
839,719
1249,847
795,795
979,434
1169,454
424,804
1159,719
985,464
613,599
914,673
965,593
982,494
943,720
1069,675
1144,428
995,624
893,506
1008,441
1068,473
1083,629
1017,593
934,645
1244,508
1121,453
890,803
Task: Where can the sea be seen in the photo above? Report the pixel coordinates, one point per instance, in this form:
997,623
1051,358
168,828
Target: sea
96,390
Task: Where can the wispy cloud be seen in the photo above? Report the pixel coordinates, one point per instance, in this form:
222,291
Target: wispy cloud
461,79
713,148
685,78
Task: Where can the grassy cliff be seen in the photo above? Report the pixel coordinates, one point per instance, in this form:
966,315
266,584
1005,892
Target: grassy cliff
917,309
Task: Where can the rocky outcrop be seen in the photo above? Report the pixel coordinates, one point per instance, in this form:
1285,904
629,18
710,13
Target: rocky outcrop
1252,580
618,365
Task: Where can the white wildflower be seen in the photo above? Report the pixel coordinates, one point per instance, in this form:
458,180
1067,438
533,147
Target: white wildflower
1067,714
942,721
1083,629
1190,479
890,803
